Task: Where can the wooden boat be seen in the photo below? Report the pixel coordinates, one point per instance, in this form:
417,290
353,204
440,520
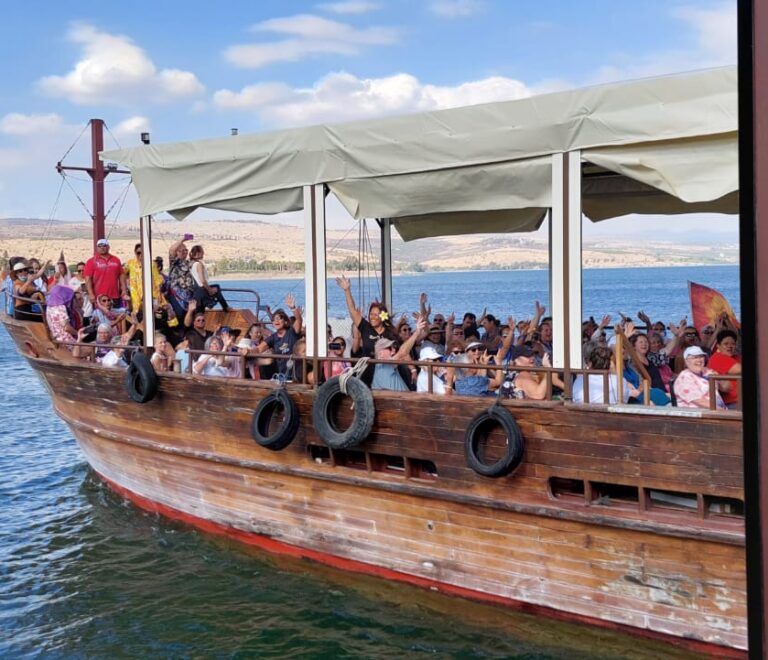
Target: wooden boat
622,516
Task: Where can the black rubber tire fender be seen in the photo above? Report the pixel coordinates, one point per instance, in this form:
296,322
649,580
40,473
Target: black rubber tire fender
478,429
262,416
141,379
365,411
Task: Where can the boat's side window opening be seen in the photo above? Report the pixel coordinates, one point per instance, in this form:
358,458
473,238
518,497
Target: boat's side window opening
561,488
418,468
606,494
350,458
386,463
724,506
668,499
320,454
410,468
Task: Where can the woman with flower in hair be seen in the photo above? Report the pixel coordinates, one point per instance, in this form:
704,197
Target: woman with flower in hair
376,326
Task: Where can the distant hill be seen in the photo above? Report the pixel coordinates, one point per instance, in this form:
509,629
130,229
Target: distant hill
242,245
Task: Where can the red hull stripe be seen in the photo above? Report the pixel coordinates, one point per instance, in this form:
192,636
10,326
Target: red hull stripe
278,547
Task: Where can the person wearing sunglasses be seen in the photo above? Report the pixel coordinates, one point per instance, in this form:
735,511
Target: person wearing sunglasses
25,291
103,313
472,378
104,276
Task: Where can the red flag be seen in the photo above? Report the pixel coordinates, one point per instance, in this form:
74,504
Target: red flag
708,305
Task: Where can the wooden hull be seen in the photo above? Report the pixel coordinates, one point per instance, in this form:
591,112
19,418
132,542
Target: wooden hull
623,560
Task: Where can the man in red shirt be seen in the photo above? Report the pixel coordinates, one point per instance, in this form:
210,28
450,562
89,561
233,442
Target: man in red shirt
104,276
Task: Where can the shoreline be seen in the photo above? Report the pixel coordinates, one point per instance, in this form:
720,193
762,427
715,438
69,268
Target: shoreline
275,275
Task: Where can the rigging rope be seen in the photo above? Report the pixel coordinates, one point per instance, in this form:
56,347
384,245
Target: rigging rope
124,195
80,199
44,238
112,136
349,372
77,139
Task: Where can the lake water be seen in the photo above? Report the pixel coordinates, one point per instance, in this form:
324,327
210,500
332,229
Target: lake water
84,574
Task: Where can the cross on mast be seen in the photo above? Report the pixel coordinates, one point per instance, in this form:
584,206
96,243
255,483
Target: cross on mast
98,172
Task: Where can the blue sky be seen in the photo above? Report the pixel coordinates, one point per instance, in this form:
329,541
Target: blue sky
194,69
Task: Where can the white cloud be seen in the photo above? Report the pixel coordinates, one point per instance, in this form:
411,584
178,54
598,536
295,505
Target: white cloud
114,70
309,35
342,96
131,128
350,7
15,123
456,8
714,35
715,30
253,96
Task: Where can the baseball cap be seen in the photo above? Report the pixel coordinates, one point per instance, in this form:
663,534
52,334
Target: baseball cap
429,353
102,241
19,266
382,343
693,351
472,344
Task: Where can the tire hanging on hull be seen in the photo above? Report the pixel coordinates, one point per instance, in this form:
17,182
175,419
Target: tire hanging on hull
141,379
265,411
478,430
364,409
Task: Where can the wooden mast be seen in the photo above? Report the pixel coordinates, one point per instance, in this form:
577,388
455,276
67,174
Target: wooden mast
98,173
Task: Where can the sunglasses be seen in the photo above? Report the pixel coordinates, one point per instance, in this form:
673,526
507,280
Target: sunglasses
456,352
690,334
473,350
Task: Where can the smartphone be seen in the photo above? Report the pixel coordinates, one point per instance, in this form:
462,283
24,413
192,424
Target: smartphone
189,237
334,346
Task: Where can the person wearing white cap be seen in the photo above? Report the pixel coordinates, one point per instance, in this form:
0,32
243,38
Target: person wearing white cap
104,276
428,353
691,386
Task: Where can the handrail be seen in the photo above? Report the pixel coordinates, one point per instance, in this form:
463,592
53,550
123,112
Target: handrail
251,291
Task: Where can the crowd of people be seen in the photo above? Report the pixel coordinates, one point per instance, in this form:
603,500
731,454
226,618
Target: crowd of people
480,355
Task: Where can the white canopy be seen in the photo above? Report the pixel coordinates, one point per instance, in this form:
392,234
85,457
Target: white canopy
658,145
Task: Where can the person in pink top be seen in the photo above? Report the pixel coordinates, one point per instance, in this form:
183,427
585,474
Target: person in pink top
725,361
104,276
692,385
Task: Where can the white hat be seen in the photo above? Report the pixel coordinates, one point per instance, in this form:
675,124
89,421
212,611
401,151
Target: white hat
20,266
693,351
102,241
429,353
245,343
472,344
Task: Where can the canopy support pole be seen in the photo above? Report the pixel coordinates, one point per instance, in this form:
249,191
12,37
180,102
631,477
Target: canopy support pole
565,263
574,283
315,274
385,224
753,243
145,230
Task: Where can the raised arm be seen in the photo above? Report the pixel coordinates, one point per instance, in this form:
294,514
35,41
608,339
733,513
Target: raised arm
290,301
423,309
405,350
346,286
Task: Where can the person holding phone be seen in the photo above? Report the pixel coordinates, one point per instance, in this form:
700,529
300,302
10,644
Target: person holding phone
336,349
